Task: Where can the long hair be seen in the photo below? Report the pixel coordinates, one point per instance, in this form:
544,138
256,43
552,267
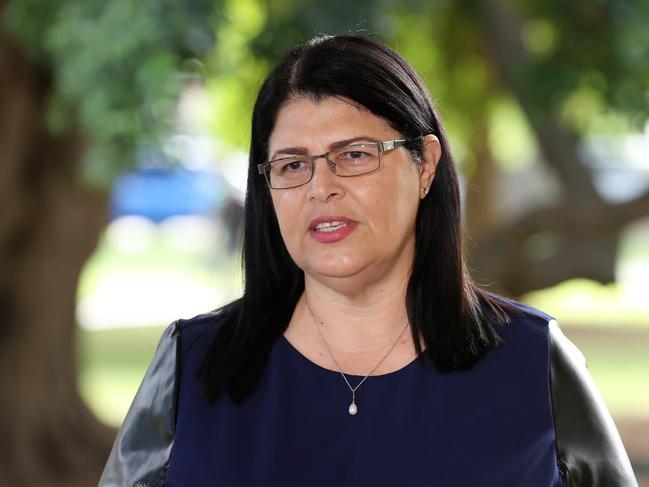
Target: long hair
454,317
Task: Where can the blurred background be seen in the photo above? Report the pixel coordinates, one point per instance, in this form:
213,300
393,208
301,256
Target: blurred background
124,126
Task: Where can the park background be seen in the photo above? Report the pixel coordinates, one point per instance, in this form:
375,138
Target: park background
124,126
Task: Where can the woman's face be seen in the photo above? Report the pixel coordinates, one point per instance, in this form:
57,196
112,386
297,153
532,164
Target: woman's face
377,210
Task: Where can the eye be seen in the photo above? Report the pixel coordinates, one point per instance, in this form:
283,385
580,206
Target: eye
356,154
292,165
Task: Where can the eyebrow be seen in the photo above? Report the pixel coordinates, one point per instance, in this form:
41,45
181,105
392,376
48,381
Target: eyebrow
333,146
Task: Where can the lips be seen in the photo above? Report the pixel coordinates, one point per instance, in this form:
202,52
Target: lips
331,229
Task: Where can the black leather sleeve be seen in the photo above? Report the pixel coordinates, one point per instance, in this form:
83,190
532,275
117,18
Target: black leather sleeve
141,450
590,451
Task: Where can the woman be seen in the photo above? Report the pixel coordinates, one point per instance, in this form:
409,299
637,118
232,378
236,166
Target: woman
361,352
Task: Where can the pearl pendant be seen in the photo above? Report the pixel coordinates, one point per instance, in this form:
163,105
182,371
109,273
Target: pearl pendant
353,409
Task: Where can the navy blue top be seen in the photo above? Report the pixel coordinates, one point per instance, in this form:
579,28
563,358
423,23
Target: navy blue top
490,426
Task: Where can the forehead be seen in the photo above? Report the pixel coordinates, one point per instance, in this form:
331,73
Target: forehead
305,122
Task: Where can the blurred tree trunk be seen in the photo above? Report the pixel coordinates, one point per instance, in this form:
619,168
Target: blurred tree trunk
481,214
576,237
49,225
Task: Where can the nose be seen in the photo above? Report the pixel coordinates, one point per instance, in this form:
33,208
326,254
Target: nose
324,184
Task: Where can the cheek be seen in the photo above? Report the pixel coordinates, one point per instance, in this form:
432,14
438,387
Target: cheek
287,213
399,202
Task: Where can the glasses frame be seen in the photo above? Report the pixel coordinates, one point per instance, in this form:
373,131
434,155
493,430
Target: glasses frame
384,146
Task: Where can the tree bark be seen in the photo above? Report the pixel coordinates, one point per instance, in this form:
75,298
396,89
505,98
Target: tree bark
576,237
49,226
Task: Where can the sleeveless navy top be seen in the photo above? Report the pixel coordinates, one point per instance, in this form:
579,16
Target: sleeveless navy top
489,426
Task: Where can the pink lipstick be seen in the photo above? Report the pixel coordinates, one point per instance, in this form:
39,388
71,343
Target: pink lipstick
330,229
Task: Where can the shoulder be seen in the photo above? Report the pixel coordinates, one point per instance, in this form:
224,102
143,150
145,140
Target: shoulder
144,440
531,313
199,331
184,334
589,447
517,310
141,449
524,323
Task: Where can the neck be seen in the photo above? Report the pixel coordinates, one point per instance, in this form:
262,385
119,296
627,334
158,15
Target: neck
360,323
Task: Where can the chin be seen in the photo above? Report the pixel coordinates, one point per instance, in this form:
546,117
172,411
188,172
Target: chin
335,274
330,262
339,271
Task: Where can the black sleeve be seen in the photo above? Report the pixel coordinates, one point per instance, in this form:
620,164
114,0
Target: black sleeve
590,451
141,450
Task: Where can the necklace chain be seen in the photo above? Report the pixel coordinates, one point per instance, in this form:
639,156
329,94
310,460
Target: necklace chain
352,407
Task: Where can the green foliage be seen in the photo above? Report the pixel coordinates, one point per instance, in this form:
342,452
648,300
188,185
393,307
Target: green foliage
589,60
117,64
444,46
253,34
116,68
235,71
438,38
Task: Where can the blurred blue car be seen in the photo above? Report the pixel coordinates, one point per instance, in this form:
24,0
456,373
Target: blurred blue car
159,193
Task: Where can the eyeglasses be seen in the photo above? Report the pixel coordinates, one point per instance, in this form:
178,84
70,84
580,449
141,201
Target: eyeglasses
351,160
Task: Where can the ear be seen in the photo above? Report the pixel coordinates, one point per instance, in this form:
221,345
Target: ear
432,152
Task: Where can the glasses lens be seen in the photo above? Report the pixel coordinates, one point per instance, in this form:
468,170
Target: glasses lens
356,159
289,172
